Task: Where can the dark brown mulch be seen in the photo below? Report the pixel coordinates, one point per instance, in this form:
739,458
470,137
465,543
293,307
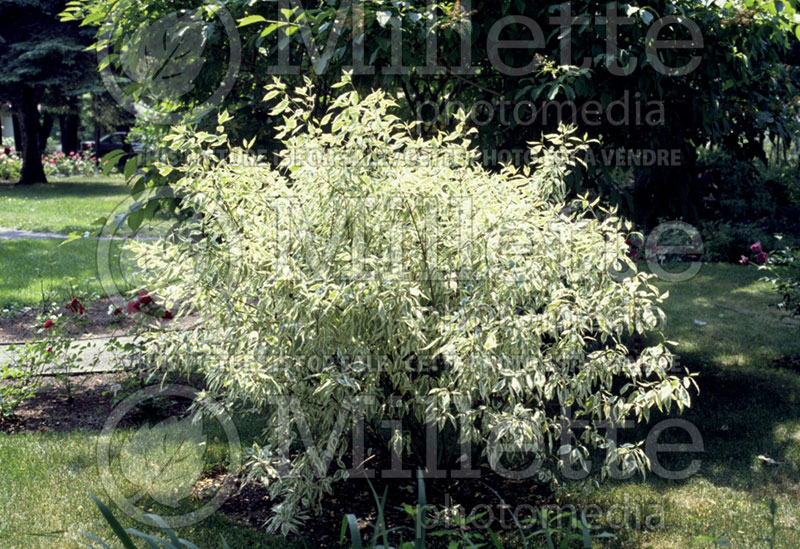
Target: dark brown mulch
24,326
93,398
51,410
252,505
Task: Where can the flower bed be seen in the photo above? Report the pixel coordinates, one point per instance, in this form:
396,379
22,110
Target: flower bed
10,163
59,164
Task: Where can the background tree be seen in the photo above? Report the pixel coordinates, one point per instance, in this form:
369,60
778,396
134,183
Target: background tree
44,56
743,92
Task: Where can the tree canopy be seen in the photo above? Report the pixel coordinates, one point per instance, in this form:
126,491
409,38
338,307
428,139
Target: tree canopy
669,76
43,54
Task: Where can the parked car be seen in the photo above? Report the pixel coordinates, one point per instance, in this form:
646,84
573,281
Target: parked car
113,142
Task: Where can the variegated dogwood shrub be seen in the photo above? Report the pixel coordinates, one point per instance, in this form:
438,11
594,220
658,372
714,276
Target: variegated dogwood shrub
378,279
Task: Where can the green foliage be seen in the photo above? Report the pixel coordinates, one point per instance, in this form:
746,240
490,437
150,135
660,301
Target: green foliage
66,165
10,163
742,93
374,264
745,190
40,49
126,536
45,61
784,268
16,386
728,241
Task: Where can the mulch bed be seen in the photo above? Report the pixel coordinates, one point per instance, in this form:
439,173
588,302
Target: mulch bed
24,326
50,410
251,505
93,398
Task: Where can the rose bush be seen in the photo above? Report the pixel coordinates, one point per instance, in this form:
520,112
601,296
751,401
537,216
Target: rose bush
56,164
759,256
59,164
392,277
783,266
10,163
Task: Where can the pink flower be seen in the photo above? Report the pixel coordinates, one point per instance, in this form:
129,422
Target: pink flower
761,258
744,260
756,248
133,307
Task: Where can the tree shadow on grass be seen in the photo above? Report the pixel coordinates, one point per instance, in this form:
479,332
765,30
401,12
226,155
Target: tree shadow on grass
59,190
745,418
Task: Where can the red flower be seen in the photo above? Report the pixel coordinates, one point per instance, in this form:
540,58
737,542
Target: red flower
133,307
756,248
47,324
145,300
167,315
75,306
744,260
761,258
141,294
117,312
49,349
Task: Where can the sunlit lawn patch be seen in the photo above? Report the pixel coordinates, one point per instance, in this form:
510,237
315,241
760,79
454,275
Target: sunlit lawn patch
65,205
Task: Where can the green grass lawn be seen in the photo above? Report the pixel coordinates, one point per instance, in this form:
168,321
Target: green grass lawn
33,272
65,205
748,406
44,498
37,272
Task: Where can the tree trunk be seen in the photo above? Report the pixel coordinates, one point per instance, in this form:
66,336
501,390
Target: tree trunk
45,129
97,130
17,133
29,125
69,133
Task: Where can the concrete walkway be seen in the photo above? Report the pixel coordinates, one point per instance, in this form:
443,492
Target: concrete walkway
17,233
95,358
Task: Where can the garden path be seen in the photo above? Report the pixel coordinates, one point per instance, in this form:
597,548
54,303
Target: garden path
96,348
13,234
18,234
